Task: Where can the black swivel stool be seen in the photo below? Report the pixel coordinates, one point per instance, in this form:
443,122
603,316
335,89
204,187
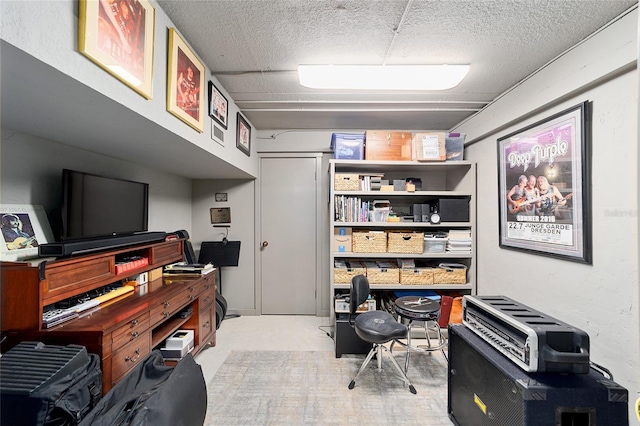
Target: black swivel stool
375,327
413,309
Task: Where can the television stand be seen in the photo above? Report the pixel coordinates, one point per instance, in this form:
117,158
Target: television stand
123,331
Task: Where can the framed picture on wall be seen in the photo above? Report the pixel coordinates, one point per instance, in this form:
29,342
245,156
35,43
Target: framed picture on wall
544,182
185,83
220,215
243,135
24,228
118,36
218,106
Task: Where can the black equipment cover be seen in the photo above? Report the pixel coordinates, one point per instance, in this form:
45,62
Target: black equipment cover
155,394
48,385
189,254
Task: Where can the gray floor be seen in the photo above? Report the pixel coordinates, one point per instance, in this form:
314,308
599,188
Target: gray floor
282,333
263,333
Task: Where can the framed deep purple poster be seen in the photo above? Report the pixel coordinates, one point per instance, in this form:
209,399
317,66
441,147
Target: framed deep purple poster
544,186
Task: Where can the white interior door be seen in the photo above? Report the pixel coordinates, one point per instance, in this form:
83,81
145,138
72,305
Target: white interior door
288,205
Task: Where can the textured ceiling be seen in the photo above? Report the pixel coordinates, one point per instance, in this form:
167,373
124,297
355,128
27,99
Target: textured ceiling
254,47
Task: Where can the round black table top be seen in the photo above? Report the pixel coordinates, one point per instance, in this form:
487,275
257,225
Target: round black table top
417,305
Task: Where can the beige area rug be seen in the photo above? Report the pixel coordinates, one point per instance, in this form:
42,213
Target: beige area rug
311,388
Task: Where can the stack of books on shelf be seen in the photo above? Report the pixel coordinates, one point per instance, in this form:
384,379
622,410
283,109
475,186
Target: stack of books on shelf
459,241
187,269
351,209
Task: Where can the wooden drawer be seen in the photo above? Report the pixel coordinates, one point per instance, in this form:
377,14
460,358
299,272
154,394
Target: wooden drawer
167,307
130,331
206,326
167,252
74,278
207,282
207,297
127,357
186,297
388,145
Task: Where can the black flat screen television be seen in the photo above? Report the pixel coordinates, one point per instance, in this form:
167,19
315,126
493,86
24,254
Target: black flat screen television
99,206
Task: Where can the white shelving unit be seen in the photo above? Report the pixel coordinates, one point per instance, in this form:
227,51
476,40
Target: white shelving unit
439,180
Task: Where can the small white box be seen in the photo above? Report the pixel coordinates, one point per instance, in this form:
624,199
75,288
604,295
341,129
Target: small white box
180,339
142,278
178,344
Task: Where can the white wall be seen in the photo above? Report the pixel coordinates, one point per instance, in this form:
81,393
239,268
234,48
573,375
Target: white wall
296,140
48,31
238,283
602,299
32,174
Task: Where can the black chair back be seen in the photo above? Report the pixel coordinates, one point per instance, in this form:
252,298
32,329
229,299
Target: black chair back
358,293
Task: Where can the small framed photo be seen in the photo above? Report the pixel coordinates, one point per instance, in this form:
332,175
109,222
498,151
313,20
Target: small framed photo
218,105
118,36
185,83
221,196
24,228
243,135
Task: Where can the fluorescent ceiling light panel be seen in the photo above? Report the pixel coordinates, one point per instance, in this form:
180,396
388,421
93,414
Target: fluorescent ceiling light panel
382,77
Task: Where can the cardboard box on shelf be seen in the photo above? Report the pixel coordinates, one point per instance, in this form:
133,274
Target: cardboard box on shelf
342,240
429,146
154,274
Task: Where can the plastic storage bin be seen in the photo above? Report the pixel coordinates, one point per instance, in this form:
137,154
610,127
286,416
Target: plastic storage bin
348,146
435,243
454,145
380,212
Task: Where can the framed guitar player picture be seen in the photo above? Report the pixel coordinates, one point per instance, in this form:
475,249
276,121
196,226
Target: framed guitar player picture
24,228
544,186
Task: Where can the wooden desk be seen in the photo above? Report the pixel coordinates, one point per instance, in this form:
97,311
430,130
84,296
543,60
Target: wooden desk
123,332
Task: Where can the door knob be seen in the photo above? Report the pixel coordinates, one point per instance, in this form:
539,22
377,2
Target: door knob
265,243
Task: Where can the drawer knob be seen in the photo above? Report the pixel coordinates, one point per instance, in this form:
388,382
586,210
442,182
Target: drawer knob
191,288
134,323
134,359
134,335
165,314
191,297
166,304
207,324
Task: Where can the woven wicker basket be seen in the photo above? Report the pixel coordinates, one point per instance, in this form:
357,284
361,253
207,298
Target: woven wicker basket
450,273
344,275
383,275
416,276
405,242
346,182
369,242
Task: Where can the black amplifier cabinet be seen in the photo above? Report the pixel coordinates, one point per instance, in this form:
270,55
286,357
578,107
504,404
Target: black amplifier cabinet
486,388
346,339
